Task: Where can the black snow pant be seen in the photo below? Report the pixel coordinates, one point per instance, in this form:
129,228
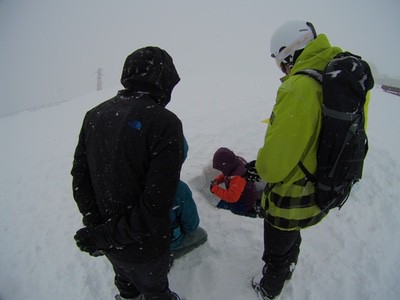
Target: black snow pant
281,250
149,279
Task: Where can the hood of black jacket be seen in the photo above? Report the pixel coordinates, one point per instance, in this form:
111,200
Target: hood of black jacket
150,70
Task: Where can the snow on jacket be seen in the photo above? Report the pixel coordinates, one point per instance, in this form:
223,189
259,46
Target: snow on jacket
236,189
292,136
128,159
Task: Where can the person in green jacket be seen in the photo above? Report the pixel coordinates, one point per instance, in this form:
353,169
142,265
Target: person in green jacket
291,137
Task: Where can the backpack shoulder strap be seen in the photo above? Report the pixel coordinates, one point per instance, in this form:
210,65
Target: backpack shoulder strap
309,176
317,75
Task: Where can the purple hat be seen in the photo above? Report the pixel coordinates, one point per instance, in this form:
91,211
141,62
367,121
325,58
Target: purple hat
225,161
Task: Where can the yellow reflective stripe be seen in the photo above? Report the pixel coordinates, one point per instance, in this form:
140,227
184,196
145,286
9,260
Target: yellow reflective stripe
294,191
293,213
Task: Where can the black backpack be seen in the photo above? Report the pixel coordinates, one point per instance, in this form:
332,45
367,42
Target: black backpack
343,143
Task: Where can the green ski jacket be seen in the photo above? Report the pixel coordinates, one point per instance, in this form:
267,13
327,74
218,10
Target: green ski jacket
291,137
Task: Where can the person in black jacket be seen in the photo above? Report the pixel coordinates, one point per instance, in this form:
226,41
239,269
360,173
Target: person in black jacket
125,173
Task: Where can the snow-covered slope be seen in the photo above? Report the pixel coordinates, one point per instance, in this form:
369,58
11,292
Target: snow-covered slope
352,254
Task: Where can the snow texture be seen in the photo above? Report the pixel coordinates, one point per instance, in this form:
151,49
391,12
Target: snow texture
352,254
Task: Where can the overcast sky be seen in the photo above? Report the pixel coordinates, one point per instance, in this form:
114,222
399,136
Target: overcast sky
50,50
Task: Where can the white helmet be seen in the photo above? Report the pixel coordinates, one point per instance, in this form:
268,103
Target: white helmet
290,37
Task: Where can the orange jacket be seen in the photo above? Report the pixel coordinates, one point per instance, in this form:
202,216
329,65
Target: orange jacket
233,192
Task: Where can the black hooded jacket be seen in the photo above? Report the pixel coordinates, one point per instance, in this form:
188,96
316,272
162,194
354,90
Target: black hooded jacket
128,159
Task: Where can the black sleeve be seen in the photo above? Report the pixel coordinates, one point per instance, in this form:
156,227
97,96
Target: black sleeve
82,185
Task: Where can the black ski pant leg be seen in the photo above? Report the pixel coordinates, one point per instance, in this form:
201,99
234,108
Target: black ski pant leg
149,279
281,250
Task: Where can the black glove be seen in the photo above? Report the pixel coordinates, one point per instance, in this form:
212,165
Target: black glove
92,240
213,182
251,172
92,220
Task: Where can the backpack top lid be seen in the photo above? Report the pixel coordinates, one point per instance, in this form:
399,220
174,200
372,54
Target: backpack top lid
346,80
350,76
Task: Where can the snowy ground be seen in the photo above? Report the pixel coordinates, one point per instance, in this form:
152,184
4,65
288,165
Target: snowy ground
352,254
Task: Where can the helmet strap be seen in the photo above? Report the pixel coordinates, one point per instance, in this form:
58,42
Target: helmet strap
300,43
289,61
